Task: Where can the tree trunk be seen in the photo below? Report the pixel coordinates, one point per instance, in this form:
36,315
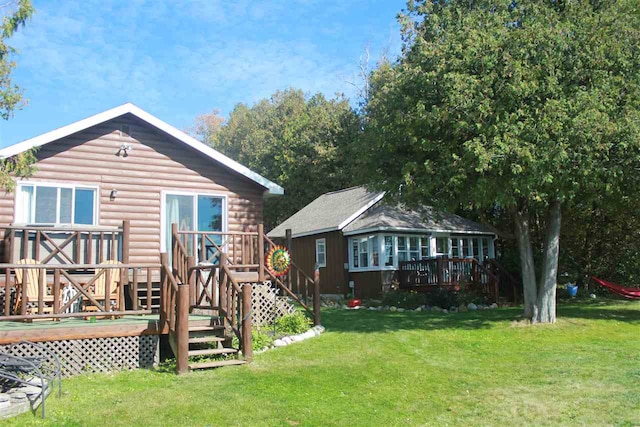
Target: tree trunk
546,302
521,219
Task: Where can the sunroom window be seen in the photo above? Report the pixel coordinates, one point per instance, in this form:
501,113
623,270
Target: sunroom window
53,204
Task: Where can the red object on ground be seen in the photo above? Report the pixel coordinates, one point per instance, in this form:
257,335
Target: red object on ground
631,293
354,303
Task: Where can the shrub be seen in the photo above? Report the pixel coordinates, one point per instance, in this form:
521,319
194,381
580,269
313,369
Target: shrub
403,299
442,298
260,339
292,324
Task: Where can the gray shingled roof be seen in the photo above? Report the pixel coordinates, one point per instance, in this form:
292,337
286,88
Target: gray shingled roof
327,213
385,217
356,209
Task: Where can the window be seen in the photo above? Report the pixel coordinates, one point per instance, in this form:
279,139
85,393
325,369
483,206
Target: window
403,249
55,204
375,251
364,252
455,245
414,249
465,248
475,244
321,252
194,212
354,253
425,249
388,251
442,246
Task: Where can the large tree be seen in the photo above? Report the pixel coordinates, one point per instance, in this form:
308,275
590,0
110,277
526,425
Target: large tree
525,106
300,142
14,15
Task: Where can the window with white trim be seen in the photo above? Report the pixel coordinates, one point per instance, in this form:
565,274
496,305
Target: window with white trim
442,246
384,252
321,252
194,212
46,203
388,251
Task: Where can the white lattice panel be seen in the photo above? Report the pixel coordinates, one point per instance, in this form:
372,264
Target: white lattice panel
99,354
268,305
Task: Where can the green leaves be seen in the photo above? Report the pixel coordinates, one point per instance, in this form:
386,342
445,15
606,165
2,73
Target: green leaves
502,101
304,143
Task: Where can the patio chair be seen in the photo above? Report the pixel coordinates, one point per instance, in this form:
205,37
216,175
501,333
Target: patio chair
100,286
28,279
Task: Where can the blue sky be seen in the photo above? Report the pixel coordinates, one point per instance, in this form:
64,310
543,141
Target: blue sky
179,59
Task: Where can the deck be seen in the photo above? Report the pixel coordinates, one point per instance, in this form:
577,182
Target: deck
78,328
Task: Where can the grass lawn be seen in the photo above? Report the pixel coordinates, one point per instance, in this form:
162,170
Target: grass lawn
390,368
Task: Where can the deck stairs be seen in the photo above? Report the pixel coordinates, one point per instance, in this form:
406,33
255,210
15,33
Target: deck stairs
210,346
210,343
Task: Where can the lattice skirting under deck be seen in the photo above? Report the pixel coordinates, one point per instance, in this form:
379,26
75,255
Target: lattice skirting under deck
99,354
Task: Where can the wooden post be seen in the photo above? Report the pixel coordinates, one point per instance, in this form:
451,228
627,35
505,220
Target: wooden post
316,296
191,279
261,259
164,283
247,351
174,247
126,235
289,240
182,329
56,291
439,270
8,245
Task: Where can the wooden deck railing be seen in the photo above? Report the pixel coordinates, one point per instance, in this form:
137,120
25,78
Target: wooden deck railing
447,272
37,291
67,244
299,286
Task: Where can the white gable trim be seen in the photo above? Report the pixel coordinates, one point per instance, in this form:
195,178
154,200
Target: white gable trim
129,108
360,211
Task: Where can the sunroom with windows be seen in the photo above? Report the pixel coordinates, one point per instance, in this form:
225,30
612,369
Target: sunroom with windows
384,251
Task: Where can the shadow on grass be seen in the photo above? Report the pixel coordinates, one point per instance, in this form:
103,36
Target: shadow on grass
610,309
385,321
340,320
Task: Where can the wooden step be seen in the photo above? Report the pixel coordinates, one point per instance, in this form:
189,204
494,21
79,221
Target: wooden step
203,328
216,364
212,351
206,338
245,276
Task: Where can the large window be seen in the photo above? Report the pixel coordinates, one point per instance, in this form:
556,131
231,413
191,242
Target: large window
194,212
56,204
321,252
385,251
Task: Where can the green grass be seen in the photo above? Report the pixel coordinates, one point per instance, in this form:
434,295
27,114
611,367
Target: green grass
383,368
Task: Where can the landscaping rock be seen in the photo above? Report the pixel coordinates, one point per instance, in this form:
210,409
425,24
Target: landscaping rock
445,311
494,305
418,309
436,308
592,296
400,310
453,309
18,397
472,306
393,308
372,308
463,308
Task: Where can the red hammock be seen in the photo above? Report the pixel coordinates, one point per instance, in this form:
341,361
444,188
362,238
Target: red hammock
631,293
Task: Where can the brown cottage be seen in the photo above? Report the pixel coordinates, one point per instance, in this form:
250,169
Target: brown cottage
128,217
364,246
125,164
